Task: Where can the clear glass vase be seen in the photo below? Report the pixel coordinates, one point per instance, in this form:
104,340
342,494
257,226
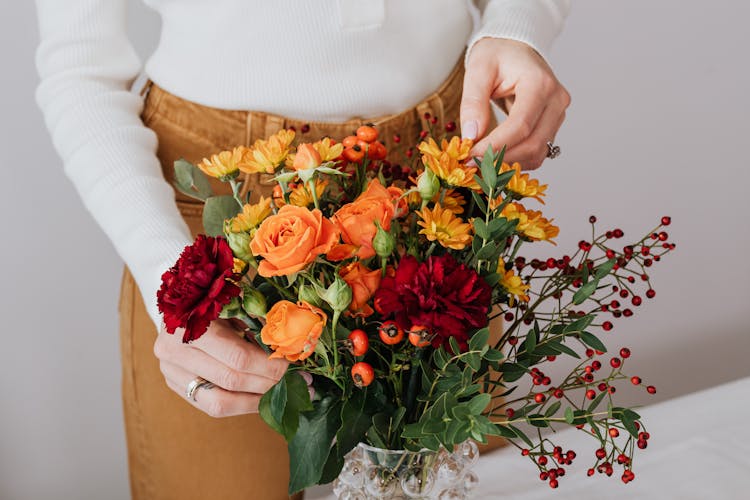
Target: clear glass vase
370,473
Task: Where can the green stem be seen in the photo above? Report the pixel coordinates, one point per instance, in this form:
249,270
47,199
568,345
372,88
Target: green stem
412,386
236,192
313,192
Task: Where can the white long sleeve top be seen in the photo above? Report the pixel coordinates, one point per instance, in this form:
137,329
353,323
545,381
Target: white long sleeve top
323,60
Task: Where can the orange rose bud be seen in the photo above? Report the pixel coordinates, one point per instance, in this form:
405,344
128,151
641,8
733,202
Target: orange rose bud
362,374
356,220
307,157
292,330
291,239
363,283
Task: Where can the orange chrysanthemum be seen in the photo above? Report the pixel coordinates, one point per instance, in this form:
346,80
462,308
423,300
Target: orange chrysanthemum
224,164
512,283
521,185
531,224
446,161
442,225
251,216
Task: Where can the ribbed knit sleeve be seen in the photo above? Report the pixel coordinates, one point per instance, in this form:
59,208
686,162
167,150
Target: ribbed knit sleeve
86,65
534,22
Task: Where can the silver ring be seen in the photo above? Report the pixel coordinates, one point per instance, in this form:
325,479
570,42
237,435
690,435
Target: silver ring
552,150
194,385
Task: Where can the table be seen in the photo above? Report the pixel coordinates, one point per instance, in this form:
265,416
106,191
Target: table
699,449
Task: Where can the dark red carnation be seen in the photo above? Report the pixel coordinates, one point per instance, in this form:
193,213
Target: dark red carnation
195,290
446,297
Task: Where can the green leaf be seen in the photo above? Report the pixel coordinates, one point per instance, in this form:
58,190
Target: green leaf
578,325
489,252
489,173
453,343
308,451
281,405
512,371
493,355
629,426
537,420
479,339
592,341
482,184
481,229
569,415
518,432
189,180
479,201
216,210
503,179
596,401
553,409
356,420
478,403
531,338
585,292
604,268
265,410
474,360
567,350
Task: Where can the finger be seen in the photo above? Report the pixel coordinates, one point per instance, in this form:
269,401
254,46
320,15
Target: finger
215,401
222,343
475,101
522,119
200,363
532,152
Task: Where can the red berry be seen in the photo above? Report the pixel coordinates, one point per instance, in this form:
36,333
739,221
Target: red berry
590,472
651,389
600,453
666,220
625,352
590,394
525,452
615,362
642,444
358,342
614,432
509,317
635,380
592,219
558,393
650,293
510,412
618,233
602,386
450,126
607,326
553,483
596,365
542,460
540,398
362,374
627,313
637,300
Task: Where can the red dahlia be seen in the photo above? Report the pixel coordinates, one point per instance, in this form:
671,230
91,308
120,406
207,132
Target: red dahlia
195,290
446,297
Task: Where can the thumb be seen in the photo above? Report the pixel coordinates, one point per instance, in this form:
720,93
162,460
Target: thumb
475,101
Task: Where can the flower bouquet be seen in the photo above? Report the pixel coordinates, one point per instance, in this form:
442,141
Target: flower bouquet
404,291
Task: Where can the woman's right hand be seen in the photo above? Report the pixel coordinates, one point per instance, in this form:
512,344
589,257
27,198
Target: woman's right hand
241,371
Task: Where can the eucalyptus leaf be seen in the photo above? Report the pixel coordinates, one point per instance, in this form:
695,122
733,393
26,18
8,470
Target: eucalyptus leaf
191,181
216,210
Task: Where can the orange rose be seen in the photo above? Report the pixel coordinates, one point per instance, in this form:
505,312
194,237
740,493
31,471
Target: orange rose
307,157
363,283
356,221
292,330
291,239
399,201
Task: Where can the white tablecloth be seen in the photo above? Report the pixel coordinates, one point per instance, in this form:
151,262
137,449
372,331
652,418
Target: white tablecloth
699,449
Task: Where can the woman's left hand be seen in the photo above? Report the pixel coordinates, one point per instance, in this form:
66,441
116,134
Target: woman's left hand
515,75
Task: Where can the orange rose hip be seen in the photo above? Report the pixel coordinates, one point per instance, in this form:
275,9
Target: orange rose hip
362,374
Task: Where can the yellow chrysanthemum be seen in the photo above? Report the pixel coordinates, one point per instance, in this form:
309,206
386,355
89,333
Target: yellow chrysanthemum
531,223
452,201
239,266
522,185
224,164
512,283
267,155
327,150
443,226
251,216
300,195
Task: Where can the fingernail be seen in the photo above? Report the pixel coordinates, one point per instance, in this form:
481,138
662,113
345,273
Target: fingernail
470,129
305,375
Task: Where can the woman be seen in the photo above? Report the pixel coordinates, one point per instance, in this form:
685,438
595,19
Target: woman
322,67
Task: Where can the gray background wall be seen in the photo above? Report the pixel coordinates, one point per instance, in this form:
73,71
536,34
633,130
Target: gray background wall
658,126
